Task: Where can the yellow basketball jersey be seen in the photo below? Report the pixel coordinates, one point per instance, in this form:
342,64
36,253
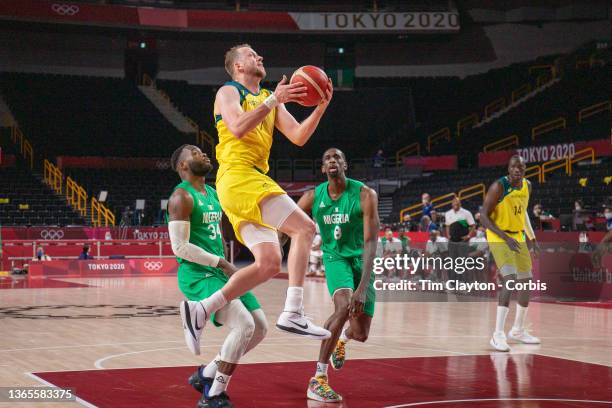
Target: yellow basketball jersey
509,214
253,150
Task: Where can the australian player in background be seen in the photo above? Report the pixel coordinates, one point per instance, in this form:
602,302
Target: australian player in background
346,212
195,234
511,238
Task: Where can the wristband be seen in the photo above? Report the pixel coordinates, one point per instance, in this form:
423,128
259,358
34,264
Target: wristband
271,102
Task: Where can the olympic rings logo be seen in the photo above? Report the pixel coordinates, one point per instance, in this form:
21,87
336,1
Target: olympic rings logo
52,234
153,265
65,9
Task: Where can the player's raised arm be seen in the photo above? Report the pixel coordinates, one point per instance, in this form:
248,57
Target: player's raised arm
371,226
299,133
494,194
179,225
239,122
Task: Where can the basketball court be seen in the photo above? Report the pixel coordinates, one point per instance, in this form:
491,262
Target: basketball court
118,342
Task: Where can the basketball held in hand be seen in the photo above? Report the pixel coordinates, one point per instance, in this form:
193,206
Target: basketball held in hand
315,80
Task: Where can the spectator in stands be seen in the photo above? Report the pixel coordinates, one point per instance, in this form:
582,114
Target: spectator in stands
427,205
463,221
580,216
540,218
608,215
435,221
407,222
85,253
426,225
436,247
388,247
378,161
41,255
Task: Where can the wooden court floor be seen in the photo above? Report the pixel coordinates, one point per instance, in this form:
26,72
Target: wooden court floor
123,323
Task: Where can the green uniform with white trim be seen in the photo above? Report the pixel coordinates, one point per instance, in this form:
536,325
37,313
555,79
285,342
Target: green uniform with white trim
341,224
197,281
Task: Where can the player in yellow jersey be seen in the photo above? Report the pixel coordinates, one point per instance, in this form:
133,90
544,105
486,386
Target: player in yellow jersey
511,237
246,115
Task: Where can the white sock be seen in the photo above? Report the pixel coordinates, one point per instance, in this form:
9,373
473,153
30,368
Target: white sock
502,312
213,303
343,336
321,369
295,296
211,369
519,319
220,384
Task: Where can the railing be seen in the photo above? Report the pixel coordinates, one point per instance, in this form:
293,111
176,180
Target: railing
100,215
520,91
553,165
502,144
473,191
53,176
533,171
471,119
434,137
495,106
551,68
25,147
593,110
581,155
76,196
413,149
546,127
202,137
446,199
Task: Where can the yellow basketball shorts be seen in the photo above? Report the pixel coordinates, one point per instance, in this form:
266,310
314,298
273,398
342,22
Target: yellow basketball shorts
510,262
241,189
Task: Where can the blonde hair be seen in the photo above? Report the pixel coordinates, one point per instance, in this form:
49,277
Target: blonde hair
230,57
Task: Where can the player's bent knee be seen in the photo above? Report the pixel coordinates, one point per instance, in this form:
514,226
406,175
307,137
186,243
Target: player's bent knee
269,267
360,336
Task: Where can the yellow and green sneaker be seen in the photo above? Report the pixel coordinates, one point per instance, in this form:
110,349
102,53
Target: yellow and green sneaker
319,390
338,355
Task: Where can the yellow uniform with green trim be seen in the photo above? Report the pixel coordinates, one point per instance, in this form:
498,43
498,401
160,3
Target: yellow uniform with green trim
242,182
509,215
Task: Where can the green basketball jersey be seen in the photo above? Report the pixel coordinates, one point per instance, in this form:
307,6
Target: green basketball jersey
205,230
340,221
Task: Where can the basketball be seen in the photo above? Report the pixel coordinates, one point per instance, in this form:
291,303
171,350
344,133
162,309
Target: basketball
315,80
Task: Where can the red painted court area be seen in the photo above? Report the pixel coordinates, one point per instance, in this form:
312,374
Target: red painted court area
496,380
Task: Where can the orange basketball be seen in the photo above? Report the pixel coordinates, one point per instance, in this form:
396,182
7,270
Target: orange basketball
315,81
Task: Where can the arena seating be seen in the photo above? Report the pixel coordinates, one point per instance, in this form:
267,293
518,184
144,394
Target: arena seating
31,202
125,186
557,194
86,116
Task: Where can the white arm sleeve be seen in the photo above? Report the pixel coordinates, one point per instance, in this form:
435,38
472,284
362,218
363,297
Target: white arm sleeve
179,238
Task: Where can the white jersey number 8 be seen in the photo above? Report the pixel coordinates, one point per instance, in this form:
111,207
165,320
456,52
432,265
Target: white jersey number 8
337,232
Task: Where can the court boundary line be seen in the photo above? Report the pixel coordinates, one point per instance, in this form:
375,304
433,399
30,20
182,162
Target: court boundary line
264,362
415,404
45,382
98,362
574,360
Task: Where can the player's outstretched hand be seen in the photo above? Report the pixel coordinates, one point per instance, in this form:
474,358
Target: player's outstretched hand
513,244
357,302
286,92
228,268
329,93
